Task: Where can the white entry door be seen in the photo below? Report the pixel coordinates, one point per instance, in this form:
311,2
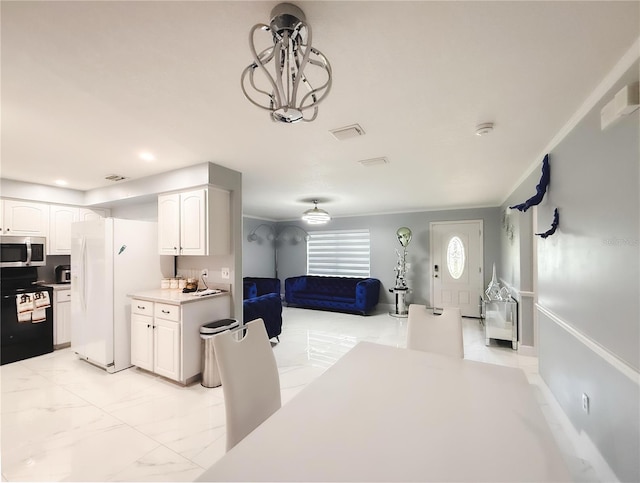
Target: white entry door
457,265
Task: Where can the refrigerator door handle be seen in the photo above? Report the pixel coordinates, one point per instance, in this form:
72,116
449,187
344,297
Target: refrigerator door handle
83,272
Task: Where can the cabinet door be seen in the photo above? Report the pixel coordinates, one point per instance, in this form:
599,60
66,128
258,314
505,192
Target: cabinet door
169,224
62,321
142,341
60,219
25,218
193,222
87,214
166,348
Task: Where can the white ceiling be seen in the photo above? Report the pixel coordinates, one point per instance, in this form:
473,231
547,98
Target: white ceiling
88,85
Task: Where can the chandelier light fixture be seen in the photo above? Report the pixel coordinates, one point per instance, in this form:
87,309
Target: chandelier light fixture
288,68
316,216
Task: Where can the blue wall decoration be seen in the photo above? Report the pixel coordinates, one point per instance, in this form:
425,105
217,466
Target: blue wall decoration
541,188
554,225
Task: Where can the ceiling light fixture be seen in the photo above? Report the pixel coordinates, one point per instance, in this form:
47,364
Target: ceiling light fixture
146,156
316,216
61,182
289,58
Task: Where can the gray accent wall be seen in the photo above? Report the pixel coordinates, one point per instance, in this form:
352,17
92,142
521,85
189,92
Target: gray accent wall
589,282
292,259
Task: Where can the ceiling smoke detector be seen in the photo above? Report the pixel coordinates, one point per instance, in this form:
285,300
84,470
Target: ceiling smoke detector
484,128
347,132
373,162
115,177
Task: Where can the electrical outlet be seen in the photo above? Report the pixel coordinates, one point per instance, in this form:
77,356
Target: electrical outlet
204,272
225,273
585,403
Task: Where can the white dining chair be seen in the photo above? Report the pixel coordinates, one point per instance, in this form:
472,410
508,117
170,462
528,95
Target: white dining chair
249,376
441,334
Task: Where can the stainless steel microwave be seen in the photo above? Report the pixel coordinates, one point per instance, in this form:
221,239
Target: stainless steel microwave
23,251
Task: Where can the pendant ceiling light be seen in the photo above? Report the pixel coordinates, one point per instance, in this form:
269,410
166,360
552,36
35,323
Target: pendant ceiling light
289,68
316,216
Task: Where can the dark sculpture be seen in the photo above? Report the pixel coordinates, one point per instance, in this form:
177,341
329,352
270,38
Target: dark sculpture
554,225
541,188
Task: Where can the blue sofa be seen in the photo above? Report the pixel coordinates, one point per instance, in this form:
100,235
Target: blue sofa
266,307
343,294
264,285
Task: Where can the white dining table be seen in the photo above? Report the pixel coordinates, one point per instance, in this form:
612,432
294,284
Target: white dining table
388,414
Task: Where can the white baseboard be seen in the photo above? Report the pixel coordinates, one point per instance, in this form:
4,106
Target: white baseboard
587,450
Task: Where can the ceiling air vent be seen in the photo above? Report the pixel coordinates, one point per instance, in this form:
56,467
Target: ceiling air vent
347,132
373,162
115,177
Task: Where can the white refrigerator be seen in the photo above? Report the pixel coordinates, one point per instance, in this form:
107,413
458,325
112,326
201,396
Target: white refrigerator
110,259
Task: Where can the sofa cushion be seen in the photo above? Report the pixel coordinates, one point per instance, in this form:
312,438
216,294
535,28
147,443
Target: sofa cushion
332,285
249,290
305,294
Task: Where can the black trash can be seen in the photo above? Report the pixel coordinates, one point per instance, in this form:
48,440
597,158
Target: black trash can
209,366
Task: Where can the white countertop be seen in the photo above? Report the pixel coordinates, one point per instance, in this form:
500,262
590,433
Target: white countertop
172,296
387,414
57,286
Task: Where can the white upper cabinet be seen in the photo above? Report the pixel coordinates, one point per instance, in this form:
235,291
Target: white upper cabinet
87,214
195,222
60,219
169,224
25,218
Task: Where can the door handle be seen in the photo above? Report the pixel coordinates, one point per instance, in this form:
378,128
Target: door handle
29,251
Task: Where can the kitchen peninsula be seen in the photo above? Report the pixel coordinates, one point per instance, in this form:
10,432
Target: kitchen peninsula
165,330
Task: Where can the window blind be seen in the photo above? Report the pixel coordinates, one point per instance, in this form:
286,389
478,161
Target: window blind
339,253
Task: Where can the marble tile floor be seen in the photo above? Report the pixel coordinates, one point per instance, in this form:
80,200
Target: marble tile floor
63,419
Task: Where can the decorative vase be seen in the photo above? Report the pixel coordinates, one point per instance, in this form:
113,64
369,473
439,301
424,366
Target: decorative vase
493,290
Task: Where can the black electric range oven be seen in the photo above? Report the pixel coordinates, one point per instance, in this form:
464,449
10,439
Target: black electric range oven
27,315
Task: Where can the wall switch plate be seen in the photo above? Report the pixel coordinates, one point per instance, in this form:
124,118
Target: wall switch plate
585,403
204,272
225,273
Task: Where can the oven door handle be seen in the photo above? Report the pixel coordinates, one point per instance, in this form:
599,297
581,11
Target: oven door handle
29,250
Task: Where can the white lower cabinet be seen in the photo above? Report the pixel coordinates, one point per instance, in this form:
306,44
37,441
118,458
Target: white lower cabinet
165,337
61,318
155,341
142,341
166,349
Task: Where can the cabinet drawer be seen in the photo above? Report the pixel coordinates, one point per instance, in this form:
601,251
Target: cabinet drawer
168,312
142,307
63,296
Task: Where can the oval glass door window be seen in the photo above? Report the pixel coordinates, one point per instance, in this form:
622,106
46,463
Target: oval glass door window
455,257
